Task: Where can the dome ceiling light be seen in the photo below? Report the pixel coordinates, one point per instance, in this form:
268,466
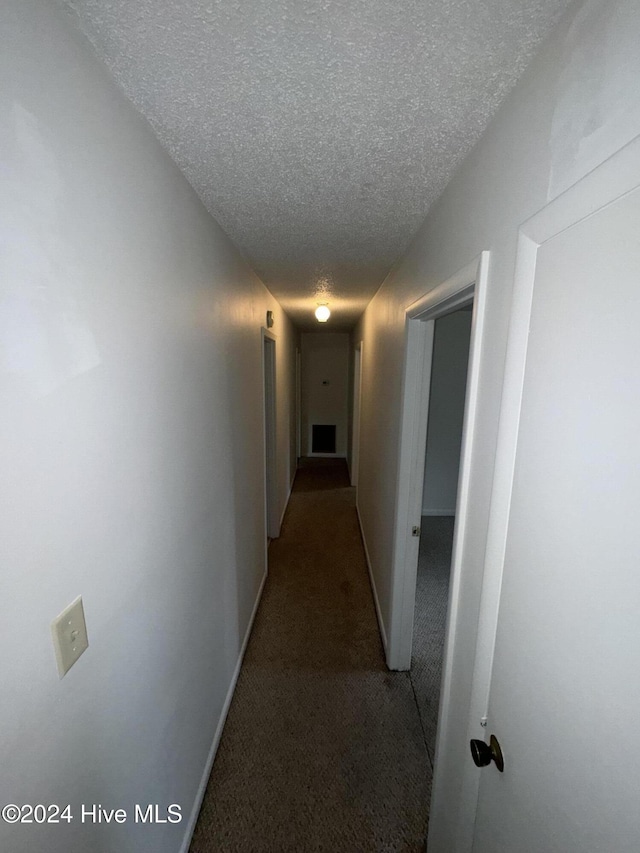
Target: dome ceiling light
322,313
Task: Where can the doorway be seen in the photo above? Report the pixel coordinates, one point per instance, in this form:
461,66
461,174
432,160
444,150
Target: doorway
465,288
448,382
272,523
298,407
355,426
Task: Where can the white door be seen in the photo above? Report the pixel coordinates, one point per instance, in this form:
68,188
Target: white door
565,690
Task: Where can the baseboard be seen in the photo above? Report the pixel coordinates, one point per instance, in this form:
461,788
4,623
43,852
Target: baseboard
195,811
439,511
376,601
286,503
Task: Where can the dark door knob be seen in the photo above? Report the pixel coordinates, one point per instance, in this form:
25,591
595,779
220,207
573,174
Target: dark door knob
484,753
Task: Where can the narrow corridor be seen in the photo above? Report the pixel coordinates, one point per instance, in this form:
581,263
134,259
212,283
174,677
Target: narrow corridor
323,748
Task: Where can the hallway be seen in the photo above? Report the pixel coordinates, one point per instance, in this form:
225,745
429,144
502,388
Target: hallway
184,186
322,748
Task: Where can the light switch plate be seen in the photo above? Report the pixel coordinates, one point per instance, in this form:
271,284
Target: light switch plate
69,633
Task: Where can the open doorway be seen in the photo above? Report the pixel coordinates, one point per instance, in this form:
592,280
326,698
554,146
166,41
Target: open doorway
272,521
355,423
298,406
466,288
448,383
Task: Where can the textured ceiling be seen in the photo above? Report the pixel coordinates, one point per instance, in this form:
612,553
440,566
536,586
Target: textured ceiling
318,132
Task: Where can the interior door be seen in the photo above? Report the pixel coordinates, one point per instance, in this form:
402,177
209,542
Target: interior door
565,690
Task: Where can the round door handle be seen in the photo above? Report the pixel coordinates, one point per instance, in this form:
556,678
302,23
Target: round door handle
484,753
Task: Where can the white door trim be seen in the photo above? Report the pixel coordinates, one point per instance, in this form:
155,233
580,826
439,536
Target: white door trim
466,285
469,284
272,520
298,407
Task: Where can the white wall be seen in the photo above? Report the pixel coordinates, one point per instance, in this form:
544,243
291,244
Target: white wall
325,359
132,448
446,412
573,108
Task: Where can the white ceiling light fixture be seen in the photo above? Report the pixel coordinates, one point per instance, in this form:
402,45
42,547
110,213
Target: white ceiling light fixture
322,313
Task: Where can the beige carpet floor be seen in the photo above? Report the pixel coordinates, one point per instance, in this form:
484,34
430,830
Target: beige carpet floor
323,748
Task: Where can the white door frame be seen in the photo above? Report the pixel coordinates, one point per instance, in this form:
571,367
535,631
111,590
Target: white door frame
272,520
355,425
298,407
469,284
